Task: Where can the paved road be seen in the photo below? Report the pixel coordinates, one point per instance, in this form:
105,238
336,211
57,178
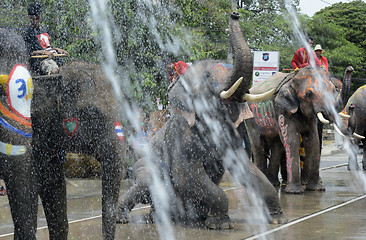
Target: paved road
337,213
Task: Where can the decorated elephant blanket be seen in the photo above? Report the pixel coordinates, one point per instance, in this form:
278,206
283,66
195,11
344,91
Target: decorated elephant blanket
15,99
273,82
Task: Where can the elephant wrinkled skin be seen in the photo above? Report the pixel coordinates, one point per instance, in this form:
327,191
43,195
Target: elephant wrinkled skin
199,141
300,99
75,112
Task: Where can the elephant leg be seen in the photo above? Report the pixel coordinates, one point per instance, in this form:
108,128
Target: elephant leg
52,188
214,199
259,156
291,143
138,193
274,162
260,153
198,187
111,179
283,167
22,193
305,166
312,160
46,155
305,169
242,129
264,188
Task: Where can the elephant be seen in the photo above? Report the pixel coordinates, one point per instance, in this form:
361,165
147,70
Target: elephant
16,167
299,100
75,111
42,118
200,141
354,124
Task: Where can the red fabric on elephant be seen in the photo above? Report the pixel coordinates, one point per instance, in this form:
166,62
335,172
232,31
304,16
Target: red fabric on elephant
180,68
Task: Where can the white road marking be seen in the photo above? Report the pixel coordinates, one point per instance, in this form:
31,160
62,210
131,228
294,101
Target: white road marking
306,218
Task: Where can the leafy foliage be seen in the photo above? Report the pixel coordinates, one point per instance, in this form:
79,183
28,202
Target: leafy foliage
341,31
148,34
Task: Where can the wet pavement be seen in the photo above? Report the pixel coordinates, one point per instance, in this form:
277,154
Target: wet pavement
337,213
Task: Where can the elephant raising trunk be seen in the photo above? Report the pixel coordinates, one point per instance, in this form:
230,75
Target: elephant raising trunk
194,144
346,87
243,66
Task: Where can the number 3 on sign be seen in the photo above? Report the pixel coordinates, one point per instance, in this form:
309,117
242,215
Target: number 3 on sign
20,91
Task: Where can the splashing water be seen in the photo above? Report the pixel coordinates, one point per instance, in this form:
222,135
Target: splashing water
103,25
350,148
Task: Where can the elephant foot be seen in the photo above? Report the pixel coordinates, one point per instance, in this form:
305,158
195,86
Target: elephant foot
278,217
222,222
315,186
294,188
304,181
122,216
276,183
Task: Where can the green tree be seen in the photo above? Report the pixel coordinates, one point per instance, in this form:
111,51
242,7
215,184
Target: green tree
146,33
341,30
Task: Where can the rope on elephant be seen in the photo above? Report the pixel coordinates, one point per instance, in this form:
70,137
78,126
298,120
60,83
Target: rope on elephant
172,84
285,80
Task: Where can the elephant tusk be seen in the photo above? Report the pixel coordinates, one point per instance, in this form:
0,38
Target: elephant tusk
338,130
358,136
321,118
257,97
346,116
232,89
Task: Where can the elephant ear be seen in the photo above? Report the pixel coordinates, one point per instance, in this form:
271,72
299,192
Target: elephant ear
286,99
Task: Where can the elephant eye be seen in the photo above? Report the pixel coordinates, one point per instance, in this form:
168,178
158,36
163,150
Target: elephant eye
309,94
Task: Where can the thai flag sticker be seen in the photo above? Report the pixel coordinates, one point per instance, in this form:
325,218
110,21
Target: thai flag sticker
118,127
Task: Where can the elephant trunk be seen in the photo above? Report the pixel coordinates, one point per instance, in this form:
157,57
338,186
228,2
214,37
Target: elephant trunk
346,88
243,66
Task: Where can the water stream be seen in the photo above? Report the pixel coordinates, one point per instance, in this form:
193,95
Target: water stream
103,23
348,145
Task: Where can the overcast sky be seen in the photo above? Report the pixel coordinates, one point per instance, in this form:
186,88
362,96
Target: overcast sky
310,7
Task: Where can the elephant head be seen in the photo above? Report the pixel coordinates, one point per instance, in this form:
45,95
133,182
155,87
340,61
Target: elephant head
216,79
12,50
314,92
353,115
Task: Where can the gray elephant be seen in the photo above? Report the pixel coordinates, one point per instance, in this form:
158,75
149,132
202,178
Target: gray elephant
355,124
299,100
15,134
75,112
200,141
